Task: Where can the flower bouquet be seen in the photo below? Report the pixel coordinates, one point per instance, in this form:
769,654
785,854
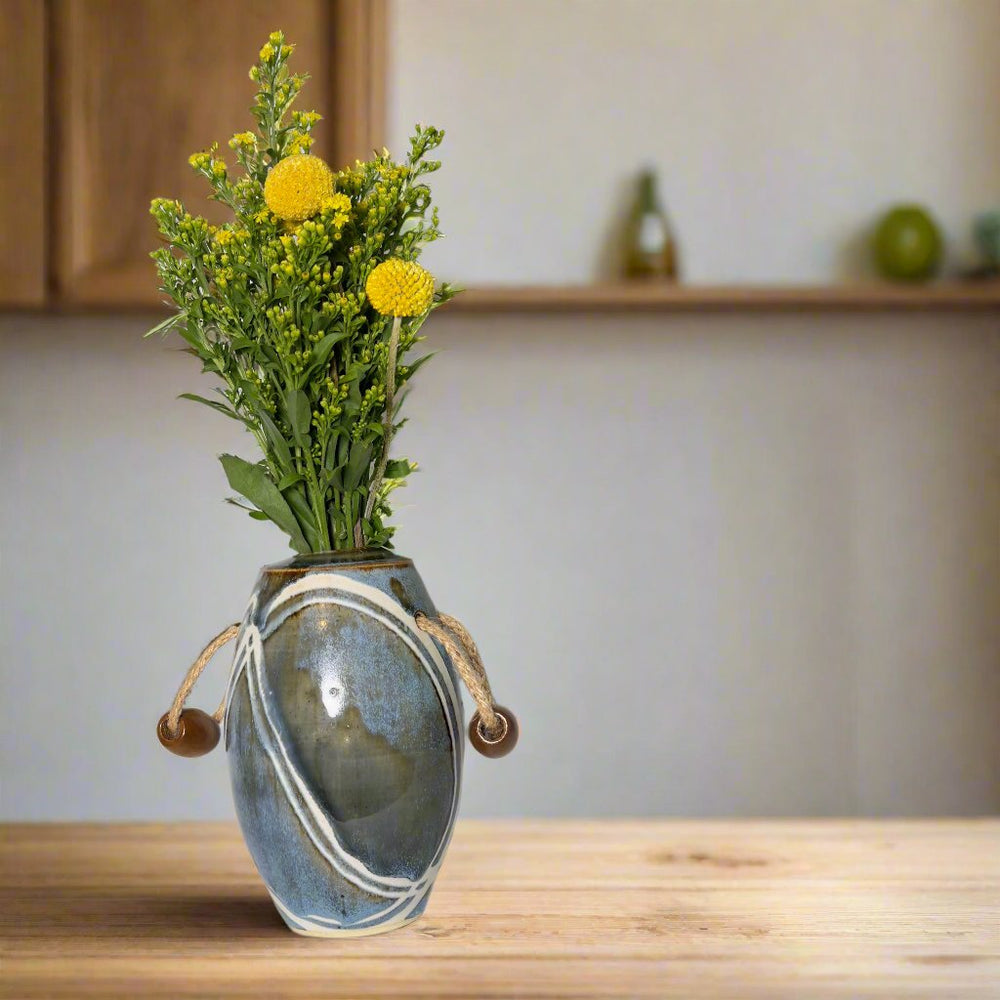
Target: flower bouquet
306,306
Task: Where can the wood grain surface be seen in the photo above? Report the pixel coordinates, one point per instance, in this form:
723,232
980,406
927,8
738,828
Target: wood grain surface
523,909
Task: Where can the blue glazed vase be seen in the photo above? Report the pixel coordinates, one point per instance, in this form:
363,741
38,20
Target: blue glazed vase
344,732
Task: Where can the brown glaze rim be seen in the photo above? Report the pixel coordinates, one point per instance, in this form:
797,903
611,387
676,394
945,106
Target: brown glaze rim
343,559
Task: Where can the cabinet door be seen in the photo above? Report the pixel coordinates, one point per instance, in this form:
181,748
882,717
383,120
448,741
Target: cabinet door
141,84
23,215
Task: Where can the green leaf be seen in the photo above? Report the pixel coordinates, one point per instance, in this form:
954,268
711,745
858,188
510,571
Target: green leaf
330,448
343,450
304,515
299,416
252,482
445,293
323,350
333,466
276,439
290,479
335,477
215,404
399,468
416,365
357,465
165,325
191,335
352,404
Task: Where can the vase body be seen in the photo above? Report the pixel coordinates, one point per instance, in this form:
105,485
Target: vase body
344,734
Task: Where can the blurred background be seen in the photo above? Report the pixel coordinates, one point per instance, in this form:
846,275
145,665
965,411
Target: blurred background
719,499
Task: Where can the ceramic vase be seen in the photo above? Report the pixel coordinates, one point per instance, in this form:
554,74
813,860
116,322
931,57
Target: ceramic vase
344,734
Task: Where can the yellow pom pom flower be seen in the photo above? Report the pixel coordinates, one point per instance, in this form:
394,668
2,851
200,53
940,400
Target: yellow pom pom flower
298,186
400,288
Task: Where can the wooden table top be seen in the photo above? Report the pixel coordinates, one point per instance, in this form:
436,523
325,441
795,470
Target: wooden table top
522,909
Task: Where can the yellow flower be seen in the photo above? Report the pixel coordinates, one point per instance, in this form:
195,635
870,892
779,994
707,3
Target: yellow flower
400,288
299,143
297,187
339,205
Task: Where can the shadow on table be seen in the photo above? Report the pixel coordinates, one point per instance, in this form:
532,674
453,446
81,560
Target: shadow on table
176,917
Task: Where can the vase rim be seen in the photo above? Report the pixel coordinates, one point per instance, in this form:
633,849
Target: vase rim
342,559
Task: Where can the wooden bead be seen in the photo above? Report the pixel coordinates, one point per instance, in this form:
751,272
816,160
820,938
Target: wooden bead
197,733
501,745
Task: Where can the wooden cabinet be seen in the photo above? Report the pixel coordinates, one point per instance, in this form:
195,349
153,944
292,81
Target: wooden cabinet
23,212
134,87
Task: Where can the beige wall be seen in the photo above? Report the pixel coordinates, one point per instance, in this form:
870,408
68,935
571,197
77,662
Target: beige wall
738,566
718,564
780,128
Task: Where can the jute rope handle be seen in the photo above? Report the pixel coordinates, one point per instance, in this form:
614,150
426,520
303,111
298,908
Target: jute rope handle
493,730
190,732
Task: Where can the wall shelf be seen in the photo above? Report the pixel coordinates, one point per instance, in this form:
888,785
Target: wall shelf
737,298
982,296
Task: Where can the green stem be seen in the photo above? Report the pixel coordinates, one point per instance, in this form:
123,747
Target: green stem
319,509
390,392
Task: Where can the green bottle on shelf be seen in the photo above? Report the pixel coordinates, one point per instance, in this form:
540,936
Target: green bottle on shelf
650,250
